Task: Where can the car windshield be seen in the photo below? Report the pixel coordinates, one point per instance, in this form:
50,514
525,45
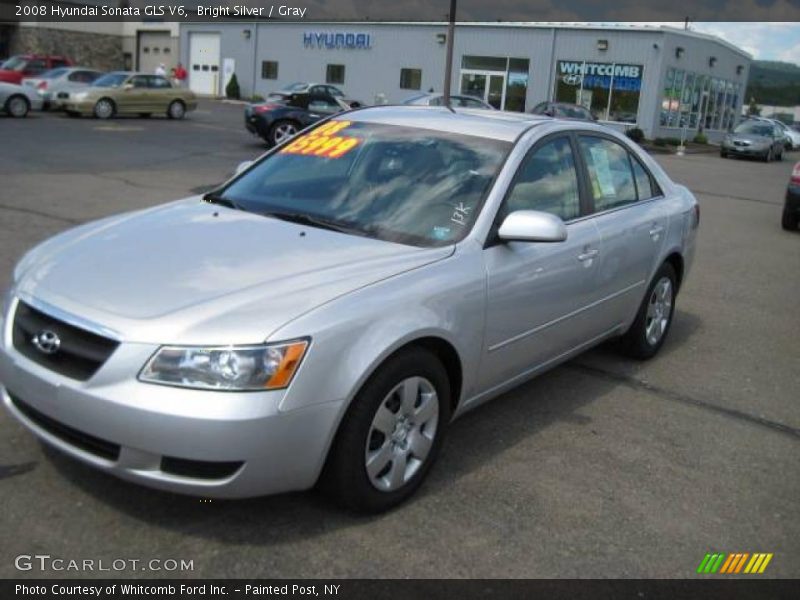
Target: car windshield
414,98
408,185
111,80
53,73
15,63
754,128
296,87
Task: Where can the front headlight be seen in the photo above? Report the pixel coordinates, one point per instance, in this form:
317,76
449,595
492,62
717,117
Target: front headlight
226,368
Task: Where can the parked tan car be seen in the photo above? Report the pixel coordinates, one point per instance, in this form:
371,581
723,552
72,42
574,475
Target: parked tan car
125,93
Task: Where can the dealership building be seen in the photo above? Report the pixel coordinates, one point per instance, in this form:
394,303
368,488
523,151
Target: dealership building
662,80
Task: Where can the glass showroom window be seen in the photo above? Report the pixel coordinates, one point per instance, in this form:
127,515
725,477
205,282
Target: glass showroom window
686,100
610,90
671,104
410,79
517,84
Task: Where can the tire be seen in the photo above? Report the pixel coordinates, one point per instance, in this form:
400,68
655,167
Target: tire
650,327
104,108
768,156
281,131
17,106
176,110
381,430
780,155
723,154
789,220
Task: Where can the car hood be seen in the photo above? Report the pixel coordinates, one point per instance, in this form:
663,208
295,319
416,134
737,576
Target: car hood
194,273
751,139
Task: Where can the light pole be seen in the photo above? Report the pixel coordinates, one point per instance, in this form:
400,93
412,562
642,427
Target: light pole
448,67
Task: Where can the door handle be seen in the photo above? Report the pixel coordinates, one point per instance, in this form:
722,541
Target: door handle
656,230
588,255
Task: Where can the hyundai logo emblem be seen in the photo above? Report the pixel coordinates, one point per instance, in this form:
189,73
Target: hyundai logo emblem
572,79
47,342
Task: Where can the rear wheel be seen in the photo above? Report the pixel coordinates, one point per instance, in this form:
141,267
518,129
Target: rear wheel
281,131
391,433
790,219
768,156
104,109
176,110
649,330
723,154
18,106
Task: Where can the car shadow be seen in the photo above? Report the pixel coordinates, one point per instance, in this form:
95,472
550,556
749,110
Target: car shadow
479,438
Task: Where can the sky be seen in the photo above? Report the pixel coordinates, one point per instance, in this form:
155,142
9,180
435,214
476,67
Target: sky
765,41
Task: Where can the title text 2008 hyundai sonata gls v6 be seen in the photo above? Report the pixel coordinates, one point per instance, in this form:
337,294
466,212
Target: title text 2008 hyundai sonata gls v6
326,313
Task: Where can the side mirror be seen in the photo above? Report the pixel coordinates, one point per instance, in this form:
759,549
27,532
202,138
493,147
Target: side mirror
243,166
532,226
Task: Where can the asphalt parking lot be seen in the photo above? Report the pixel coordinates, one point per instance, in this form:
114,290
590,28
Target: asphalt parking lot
602,467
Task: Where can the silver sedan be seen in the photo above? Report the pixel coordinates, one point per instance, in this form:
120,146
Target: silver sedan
17,100
55,85
325,314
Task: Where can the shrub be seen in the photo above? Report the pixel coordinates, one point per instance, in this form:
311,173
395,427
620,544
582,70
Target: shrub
636,134
257,98
700,138
673,141
660,142
232,89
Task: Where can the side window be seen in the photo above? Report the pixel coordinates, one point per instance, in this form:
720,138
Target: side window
547,181
610,176
323,104
139,81
35,66
159,82
644,185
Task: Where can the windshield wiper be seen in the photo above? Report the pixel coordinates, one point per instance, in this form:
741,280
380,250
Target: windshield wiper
314,221
216,198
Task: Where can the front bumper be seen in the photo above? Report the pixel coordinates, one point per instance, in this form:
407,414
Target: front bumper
744,150
211,444
84,107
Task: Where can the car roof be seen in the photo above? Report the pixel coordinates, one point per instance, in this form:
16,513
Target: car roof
499,125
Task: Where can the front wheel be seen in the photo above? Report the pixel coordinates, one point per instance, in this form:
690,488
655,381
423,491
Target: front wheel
649,330
723,154
104,109
18,106
768,156
391,433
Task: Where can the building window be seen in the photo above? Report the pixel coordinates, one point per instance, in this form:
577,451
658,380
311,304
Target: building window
410,79
698,101
610,90
499,81
334,74
269,69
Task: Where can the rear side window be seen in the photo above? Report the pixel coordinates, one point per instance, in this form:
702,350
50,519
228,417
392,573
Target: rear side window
611,179
644,184
547,181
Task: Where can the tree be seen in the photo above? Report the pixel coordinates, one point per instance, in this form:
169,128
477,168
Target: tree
753,109
232,89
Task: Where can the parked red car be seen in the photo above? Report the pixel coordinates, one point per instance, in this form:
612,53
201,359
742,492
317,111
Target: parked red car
16,68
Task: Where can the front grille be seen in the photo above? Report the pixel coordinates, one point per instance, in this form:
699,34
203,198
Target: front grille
198,469
84,441
80,353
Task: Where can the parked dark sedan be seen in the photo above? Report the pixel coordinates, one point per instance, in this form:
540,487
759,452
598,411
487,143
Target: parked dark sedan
563,110
791,208
284,114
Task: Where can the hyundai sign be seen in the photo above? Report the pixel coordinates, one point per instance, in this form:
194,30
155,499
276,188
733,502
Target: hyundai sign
600,75
335,41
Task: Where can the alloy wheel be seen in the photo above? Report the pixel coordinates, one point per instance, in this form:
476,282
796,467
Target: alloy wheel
104,109
659,311
283,132
176,110
402,432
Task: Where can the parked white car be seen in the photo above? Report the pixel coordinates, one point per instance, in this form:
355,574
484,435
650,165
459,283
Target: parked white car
18,100
55,85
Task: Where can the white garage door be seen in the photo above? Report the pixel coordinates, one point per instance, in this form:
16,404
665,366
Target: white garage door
204,71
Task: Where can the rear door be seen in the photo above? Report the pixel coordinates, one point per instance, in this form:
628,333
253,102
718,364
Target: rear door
135,99
538,293
632,223
160,94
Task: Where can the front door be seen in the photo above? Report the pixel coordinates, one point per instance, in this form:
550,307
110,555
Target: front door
538,293
489,86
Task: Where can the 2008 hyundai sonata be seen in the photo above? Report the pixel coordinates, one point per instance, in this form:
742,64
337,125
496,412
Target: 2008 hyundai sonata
323,316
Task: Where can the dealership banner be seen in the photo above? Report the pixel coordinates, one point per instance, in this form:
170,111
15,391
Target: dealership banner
391,10
402,589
